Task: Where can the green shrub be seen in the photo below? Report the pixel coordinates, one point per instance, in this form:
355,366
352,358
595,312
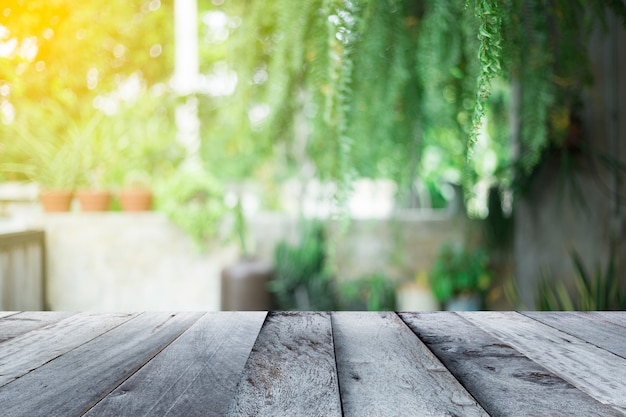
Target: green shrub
301,280
458,270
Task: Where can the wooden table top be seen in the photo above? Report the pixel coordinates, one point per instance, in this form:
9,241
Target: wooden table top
312,364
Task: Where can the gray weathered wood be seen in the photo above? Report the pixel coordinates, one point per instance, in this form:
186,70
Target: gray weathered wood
385,370
7,313
617,317
291,370
604,334
505,382
27,352
72,383
17,324
302,364
194,376
597,372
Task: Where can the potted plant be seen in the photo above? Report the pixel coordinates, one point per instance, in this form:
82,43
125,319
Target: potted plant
371,293
136,193
194,201
97,154
50,160
459,276
301,277
142,147
94,199
244,283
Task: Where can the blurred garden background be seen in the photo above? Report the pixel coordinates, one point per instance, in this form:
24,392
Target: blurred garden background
342,154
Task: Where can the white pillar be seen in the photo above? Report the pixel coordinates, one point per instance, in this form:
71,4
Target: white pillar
186,74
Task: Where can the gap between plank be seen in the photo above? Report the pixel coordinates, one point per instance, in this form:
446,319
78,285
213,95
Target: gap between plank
123,380
439,359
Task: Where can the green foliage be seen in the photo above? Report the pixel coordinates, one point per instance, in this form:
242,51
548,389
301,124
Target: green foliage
97,150
373,293
39,151
379,82
378,88
490,38
592,291
194,201
142,137
65,57
458,271
301,280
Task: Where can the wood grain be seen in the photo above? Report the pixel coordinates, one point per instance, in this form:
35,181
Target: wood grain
599,373
291,370
385,370
312,364
604,334
499,377
17,324
27,352
194,376
617,317
72,383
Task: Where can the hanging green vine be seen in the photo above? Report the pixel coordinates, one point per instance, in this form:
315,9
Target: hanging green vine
402,89
396,89
342,33
490,38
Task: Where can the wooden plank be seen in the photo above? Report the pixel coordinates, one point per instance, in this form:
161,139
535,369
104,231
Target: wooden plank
72,383
18,324
385,370
604,334
194,376
22,354
599,373
291,371
617,317
499,377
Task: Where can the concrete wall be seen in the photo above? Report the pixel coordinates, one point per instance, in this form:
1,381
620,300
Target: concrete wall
401,246
123,261
398,247
550,221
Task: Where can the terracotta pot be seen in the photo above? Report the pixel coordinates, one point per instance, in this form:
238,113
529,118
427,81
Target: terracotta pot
94,200
136,200
56,201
